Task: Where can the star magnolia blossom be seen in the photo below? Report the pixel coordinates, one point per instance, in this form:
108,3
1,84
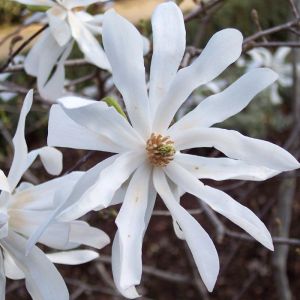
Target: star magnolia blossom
24,208
262,57
67,22
149,158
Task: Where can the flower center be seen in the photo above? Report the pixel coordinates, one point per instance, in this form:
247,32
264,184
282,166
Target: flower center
160,150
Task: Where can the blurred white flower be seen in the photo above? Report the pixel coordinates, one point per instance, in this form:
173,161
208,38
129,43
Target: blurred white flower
68,22
262,57
149,159
24,208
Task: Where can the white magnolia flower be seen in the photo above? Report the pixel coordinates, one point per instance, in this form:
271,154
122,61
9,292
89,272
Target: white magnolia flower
262,57
149,157
24,208
67,22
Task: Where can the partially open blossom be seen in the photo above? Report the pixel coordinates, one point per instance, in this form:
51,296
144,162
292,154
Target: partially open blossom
24,207
68,22
150,158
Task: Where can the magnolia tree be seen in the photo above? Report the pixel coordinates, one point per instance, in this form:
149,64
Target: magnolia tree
156,107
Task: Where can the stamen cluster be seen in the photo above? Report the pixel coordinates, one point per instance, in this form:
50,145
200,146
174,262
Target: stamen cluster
160,150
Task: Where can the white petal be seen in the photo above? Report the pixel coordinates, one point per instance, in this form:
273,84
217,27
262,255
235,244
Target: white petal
168,49
51,73
12,271
20,146
26,222
36,2
87,42
42,279
231,101
130,292
237,146
281,54
75,257
131,227
83,234
102,119
176,194
4,185
124,48
101,192
41,197
31,63
2,277
222,50
64,132
222,203
151,202
199,242
274,94
50,157
223,168
58,25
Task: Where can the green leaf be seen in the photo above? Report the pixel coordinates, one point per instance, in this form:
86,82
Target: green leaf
35,8
110,101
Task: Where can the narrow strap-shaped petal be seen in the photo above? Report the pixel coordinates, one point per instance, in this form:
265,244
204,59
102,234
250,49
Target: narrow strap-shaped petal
20,146
199,242
131,227
168,49
99,118
235,145
222,203
12,271
130,292
82,233
223,168
87,43
42,280
123,45
65,132
231,101
31,63
176,194
223,49
51,70
51,159
2,277
72,258
36,2
59,26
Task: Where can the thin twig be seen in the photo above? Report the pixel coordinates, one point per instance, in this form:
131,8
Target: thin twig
276,239
249,40
22,47
201,9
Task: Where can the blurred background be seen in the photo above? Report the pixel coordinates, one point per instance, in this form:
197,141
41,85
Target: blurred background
248,271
